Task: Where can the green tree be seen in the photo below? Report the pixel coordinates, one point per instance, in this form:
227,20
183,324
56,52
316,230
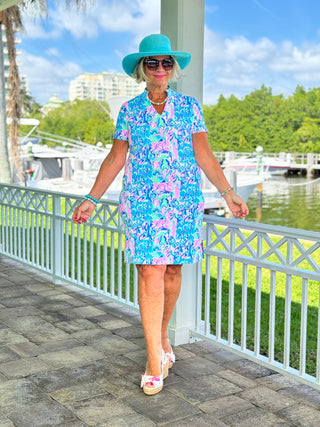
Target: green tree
307,137
99,129
30,107
85,120
261,118
244,145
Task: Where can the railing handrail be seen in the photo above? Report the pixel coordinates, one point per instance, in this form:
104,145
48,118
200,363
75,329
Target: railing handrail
275,229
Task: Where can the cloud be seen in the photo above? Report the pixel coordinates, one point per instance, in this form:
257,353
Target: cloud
234,66
294,59
46,77
135,16
131,15
52,51
36,30
238,65
218,49
241,80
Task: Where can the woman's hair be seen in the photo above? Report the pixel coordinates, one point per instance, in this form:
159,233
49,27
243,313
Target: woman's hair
140,76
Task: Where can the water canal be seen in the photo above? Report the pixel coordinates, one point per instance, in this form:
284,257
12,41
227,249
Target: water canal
290,202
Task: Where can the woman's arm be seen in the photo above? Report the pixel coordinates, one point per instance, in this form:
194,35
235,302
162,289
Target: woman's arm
211,167
109,169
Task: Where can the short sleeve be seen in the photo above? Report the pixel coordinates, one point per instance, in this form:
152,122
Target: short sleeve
122,126
198,124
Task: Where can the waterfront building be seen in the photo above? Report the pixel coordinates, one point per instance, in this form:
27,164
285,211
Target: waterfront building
53,103
103,86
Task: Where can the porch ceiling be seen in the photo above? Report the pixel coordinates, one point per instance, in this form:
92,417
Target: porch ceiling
4,4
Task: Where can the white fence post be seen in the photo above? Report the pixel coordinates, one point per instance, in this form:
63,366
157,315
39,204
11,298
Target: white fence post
184,317
57,241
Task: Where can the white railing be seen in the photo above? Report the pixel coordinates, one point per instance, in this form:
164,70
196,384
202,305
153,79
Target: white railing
259,294
302,159
256,292
36,229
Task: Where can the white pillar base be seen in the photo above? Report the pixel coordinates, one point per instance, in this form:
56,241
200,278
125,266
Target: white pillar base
183,319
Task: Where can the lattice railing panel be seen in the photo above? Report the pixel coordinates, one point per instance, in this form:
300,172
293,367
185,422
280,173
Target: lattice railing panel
259,294
295,252
36,228
25,199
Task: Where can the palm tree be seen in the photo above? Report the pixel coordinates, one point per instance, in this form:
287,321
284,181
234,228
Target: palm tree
12,22
11,19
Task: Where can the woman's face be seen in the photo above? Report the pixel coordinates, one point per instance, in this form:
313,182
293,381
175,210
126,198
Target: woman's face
158,74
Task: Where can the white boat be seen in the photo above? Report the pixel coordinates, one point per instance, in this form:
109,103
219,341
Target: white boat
252,164
244,185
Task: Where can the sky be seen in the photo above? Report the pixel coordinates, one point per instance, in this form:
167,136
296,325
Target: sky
248,43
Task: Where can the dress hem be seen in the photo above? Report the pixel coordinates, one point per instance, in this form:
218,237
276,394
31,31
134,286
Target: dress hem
182,262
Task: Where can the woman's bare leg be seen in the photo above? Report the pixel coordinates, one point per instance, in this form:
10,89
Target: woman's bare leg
172,286
151,302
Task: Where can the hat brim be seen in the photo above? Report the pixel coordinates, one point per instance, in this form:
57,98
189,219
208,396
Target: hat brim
129,62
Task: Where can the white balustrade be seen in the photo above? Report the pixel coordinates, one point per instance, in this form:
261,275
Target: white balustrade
280,267
254,292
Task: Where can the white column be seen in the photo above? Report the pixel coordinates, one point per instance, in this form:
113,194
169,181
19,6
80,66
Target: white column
183,22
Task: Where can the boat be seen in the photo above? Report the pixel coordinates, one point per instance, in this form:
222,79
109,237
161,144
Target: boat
266,166
243,183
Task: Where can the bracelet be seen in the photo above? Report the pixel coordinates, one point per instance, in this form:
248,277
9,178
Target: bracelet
91,199
225,191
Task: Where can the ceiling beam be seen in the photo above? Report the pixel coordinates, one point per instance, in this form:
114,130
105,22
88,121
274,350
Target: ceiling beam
4,4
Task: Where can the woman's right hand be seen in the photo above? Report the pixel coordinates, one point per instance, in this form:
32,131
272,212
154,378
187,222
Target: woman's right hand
83,212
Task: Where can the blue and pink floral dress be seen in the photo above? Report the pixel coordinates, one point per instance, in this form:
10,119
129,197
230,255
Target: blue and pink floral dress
161,201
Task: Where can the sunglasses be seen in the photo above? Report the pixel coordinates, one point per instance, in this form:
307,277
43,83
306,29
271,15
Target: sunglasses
152,64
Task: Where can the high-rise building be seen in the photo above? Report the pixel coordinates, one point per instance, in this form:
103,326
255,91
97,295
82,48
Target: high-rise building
103,86
6,63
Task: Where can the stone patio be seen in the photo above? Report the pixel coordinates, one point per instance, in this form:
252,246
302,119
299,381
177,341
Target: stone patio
71,358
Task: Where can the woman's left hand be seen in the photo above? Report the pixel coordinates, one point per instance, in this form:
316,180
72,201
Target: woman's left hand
237,206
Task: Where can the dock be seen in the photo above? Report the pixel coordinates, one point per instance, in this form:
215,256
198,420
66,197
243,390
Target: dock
304,169
304,164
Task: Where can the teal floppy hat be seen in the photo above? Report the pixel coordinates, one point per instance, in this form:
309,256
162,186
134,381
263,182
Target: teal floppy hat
154,45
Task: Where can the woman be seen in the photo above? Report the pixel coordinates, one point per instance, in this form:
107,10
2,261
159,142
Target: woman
161,202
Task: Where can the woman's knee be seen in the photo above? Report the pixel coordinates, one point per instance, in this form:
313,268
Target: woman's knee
147,271
173,270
